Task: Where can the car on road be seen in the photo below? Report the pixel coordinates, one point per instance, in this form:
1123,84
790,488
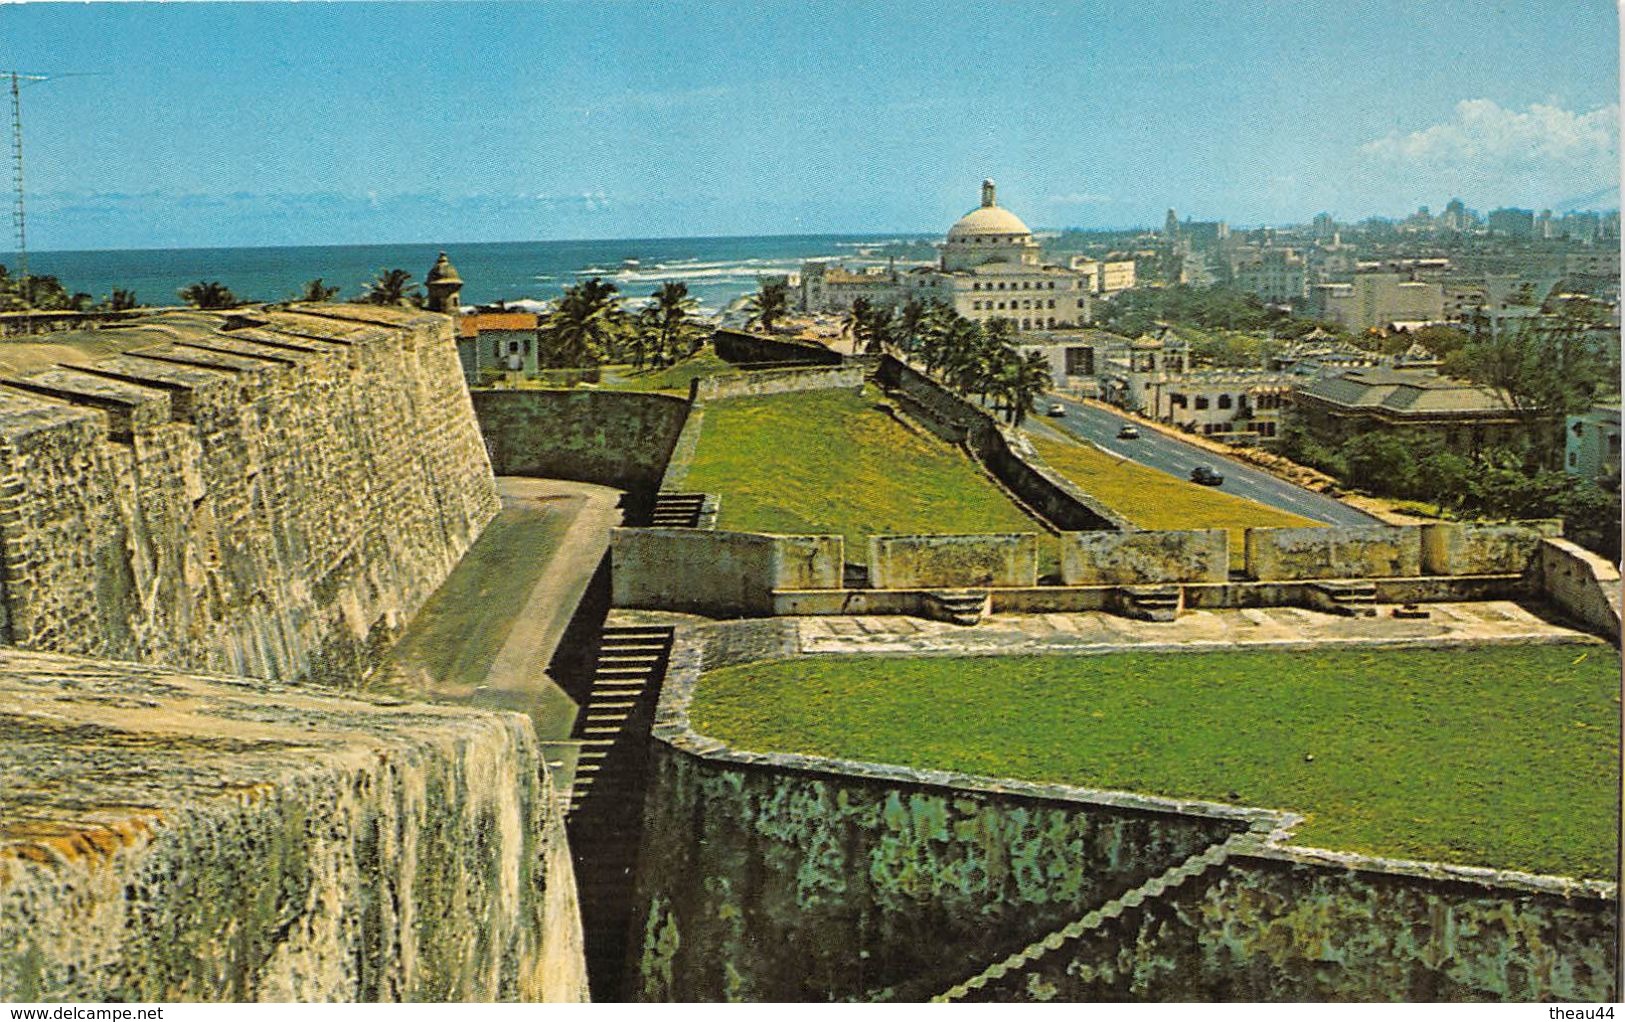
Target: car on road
1206,475
1057,409
1128,432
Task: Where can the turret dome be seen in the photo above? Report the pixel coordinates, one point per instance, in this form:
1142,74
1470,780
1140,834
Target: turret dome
987,219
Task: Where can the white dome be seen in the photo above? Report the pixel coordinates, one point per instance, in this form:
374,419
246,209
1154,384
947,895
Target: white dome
986,220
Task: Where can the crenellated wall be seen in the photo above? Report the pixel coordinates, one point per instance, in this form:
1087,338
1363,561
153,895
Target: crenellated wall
171,837
270,492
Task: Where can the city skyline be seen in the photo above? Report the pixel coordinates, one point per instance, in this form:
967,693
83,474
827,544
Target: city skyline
280,124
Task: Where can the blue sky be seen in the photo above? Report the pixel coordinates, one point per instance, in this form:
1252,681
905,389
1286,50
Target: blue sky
250,124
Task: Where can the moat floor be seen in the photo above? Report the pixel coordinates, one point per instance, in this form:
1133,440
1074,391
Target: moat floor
488,634
1446,624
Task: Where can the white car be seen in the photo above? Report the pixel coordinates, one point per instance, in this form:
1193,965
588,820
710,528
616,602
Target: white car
1056,409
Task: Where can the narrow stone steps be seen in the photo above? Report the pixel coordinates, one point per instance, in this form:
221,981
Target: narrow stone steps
1192,866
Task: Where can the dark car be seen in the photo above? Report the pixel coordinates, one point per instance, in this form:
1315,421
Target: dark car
1206,476
1128,433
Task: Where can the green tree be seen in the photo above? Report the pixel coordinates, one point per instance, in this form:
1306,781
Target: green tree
666,329
1380,462
770,304
1544,367
209,294
586,326
318,291
120,300
392,287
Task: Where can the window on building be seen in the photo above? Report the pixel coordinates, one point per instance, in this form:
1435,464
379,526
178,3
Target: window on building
1052,303
1201,403
1080,303
1052,320
1224,400
1026,324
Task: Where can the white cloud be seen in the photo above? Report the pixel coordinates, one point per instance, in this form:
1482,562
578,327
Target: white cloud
1484,137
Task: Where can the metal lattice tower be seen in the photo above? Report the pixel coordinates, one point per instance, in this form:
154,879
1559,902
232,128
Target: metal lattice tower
19,218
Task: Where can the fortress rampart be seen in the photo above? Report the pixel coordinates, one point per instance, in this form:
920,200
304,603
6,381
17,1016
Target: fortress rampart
269,493
1048,892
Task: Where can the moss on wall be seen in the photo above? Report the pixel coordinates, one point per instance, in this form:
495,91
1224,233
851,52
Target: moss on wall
770,885
617,439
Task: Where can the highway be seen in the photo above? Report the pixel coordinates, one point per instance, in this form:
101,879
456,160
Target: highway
1167,454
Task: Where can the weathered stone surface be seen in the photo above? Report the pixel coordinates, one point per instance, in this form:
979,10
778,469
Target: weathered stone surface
758,382
1144,558
618,439
763,884
1582,584
715,572
174,837
1472,548
1374,551
1275,929
744,348
272,493
915,562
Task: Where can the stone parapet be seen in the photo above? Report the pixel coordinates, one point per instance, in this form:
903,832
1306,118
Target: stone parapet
1473,548
271,492
173,837
926,562
1372,551
1145,558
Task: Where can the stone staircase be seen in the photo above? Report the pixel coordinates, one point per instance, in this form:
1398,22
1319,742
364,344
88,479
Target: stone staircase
683,511
605,816
1350,599
1209,858
958,606
1149,603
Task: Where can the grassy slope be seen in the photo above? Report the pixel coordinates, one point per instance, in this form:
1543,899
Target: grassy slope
671,379
829,461
1156,500
1499,756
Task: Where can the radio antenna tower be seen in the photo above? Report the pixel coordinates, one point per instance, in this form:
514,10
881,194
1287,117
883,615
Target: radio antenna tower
18,216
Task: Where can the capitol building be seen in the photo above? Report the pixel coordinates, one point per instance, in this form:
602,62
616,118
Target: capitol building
990,267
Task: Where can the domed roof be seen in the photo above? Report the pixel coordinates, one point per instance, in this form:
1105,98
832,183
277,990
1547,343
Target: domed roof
442,272
988,218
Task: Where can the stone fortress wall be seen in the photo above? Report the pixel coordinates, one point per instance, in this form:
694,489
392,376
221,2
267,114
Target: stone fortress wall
964,887
266,493
270,494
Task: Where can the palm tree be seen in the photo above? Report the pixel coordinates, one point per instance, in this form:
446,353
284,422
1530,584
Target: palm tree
770,304
853,323
317,291
878,330
209,294
1030,377
585,325
392,287
121,300
910,323
674,333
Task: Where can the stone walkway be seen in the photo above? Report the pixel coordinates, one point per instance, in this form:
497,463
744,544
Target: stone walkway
1446,624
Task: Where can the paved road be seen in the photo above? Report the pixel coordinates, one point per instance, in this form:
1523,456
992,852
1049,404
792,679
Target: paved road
1177,458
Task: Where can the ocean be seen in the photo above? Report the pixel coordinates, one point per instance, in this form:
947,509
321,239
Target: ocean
716,270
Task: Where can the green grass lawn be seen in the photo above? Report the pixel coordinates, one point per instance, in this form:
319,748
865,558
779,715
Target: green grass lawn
672,379
1504,756
1156,500
829,461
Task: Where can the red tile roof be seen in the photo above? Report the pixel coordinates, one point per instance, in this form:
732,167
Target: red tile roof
474,325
